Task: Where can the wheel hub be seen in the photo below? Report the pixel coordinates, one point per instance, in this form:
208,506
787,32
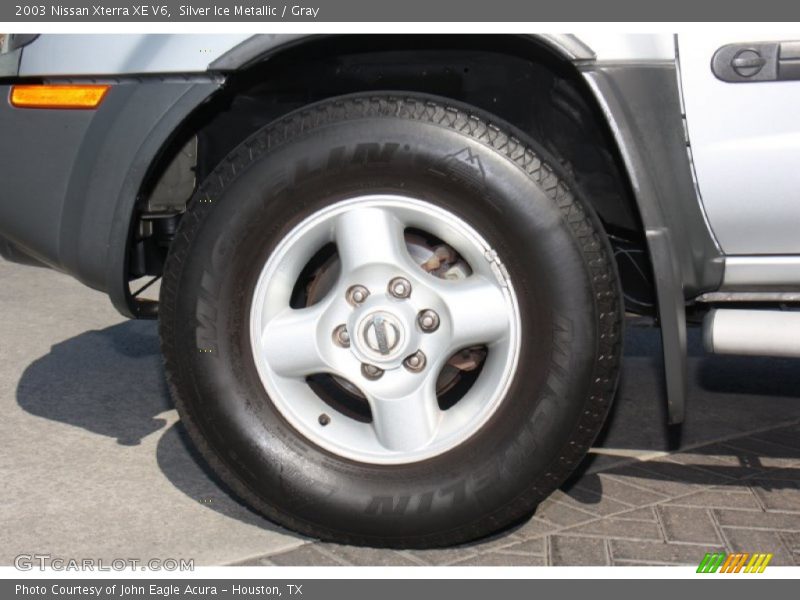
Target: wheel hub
384,331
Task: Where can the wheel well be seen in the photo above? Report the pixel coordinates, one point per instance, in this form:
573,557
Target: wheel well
516,78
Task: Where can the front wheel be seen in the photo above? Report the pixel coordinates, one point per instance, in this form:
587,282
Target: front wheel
388,321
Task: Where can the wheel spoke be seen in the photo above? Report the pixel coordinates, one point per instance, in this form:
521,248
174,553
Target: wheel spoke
479,311
408,422
368,236
291,342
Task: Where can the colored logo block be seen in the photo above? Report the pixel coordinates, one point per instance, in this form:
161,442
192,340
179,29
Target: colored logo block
740,562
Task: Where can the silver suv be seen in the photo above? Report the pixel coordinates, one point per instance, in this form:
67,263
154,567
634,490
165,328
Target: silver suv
395,269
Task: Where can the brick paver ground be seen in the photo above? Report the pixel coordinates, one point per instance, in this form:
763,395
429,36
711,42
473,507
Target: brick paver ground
94,462
740,494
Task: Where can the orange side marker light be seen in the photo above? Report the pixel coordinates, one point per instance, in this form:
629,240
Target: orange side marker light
65,96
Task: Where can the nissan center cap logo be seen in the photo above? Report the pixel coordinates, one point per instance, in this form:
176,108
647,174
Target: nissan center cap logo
381,333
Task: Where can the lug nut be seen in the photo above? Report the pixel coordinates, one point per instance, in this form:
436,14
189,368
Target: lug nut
356,294
415,362
428,320
324,419
341,336
399,287
371,371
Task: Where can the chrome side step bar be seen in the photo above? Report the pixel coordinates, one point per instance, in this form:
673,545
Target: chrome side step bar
752,332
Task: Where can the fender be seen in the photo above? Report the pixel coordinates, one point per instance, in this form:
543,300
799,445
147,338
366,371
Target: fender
642,106
76,215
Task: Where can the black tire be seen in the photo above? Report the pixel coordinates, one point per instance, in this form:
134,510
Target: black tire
550,241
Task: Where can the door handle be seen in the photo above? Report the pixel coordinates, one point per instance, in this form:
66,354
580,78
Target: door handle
757,62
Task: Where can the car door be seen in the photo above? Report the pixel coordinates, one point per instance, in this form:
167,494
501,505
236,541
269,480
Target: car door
742,102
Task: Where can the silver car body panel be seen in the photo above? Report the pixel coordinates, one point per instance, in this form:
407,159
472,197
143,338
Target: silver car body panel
60,55
129,54
745,140
761,272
